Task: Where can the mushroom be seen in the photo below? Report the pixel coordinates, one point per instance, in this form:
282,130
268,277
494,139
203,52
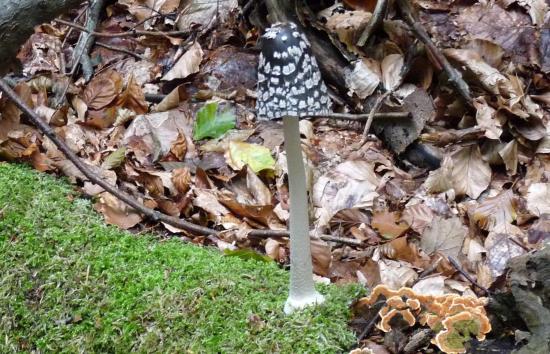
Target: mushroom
290,87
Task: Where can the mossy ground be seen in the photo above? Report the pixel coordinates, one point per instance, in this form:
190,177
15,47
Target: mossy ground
69,283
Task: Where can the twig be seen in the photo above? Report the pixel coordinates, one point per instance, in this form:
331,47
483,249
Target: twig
457,266
419,339
375,108
374,22
87,39
364,116
284,233
122,50
132,33
455,78
368,328
452,136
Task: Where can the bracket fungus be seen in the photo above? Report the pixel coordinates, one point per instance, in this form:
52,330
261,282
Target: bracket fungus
452,317
290,87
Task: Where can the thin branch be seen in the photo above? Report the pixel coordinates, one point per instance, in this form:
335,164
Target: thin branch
87,39
119,49
457,266
364,116
374,23
372,113
455,78
133,33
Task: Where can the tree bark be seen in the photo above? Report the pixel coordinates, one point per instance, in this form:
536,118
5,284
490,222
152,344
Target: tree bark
17,21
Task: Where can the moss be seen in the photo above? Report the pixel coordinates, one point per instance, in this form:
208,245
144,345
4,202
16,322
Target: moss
69,283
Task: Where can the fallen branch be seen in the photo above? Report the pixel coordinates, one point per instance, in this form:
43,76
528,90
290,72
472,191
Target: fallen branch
86,41
457,266
122,50
132,33
374,23
371,115
455,78
364,116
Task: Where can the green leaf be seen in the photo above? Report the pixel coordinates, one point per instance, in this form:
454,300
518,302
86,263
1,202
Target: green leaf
115,159
210,123
257,157
247,254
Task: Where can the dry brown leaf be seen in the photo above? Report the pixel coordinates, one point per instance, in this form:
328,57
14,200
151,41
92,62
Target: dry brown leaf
363,78
471,175
102,90
116,212
501,248
440,180
396,274
186,65
179,147
540,230
489,51
432,285
418,216
509,154
488,76
321,256
538,198
392,67
133,98
486,119
389,224
272,248
496,211
181,178
205,13
445,236
347,25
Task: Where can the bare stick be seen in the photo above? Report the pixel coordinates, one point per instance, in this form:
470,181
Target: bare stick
375,108
457,266
87,39
132,33
364,116
374,23
455,78
119,49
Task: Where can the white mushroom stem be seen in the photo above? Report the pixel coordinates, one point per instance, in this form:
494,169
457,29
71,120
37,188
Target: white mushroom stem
302,290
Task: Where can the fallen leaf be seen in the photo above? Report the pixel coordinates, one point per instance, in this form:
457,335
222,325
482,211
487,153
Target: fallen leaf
396,274
363,78
500,249
496,211
392,67
179,147
471,175
116,212
102,90
445,236
186,65
133,98
486,119
257,157
538,198
418,216
114,159
389,224
211,124
432,285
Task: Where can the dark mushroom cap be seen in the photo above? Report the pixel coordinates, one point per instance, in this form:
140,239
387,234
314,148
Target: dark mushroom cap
289,80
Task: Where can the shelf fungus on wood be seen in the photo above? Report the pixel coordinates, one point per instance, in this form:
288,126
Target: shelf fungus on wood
290,87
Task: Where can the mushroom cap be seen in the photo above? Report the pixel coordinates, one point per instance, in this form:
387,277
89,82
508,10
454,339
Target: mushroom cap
289,79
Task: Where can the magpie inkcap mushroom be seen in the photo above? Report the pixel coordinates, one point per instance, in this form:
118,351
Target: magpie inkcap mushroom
290,87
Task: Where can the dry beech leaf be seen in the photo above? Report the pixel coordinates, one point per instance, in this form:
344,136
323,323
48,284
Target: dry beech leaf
392,67
509,154
173,99
116,212
540,230
471,175
188,64
538,198
396,274
500,249
363,78
181,178
133,98
102,90
440,180
389,224
272,248
179,147
486,119
496,211
208,201
488,76
346,24
489,51
432,285
418,216
445,236
321,257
